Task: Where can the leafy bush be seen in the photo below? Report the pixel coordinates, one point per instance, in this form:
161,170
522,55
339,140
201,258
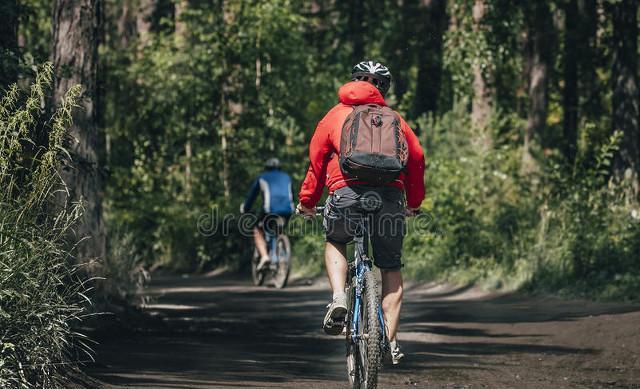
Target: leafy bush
122,275
590,230
307,240
554,230
41,293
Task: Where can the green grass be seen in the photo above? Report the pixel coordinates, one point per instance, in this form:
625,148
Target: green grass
42,293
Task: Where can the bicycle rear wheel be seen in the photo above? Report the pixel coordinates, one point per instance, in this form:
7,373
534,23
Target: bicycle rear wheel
368,347
257,276
283,253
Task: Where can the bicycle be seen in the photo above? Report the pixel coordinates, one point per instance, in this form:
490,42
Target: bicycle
366,336
279,249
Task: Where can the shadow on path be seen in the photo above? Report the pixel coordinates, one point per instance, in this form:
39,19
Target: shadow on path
209,332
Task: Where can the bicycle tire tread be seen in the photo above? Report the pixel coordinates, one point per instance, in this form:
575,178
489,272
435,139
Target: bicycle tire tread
256,276
373,325
280,281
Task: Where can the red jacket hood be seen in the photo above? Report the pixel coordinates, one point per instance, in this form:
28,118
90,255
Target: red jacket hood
360,92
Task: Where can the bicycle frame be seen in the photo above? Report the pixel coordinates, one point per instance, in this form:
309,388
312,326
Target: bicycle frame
358,268
271,238
361,265
278,250
272,241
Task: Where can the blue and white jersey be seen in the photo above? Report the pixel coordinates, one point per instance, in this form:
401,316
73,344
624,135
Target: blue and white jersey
275,186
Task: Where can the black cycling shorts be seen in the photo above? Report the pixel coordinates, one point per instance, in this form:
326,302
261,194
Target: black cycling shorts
385,209
272,223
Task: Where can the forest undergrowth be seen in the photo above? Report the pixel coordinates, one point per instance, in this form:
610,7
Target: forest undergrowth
43,293
573,231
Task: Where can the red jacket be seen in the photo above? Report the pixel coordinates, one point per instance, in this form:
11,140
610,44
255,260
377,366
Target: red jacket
325,147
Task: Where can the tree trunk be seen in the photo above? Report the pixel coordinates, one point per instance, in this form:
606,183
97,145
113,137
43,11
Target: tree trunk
179,37
180,27
225,120
8,42
230,105
481,104
591,105
125,25
625,89
399,44
75,34
570,91
187,169
143,22
434,22
230,112
316,16
538,59
356,30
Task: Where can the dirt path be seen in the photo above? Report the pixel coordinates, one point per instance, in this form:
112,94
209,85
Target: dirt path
220,332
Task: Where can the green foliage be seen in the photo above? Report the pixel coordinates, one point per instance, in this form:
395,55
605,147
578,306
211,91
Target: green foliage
176,93
465,48
307,238
575,234
34,27
592,230
259,76
190,115
122,275
41,292
492,45
474,200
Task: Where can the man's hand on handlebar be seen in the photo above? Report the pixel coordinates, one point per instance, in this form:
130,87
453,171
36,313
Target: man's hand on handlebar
310,212
409,212
304,211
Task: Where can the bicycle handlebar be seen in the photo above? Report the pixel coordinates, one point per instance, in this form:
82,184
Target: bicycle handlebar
320,212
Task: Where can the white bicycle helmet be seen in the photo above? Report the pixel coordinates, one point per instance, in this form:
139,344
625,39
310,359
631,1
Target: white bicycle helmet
272,163
375,72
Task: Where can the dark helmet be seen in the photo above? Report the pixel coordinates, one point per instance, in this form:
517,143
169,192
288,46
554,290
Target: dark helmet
375,72
272,163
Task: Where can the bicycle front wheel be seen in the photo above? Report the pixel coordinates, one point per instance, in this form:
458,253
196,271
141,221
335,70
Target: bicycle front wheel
283,252
368,356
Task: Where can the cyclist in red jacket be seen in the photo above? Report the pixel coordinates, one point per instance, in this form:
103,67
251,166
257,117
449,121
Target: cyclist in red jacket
370,82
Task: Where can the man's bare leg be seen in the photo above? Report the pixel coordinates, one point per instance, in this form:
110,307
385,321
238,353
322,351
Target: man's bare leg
335,260
261,244
391,300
